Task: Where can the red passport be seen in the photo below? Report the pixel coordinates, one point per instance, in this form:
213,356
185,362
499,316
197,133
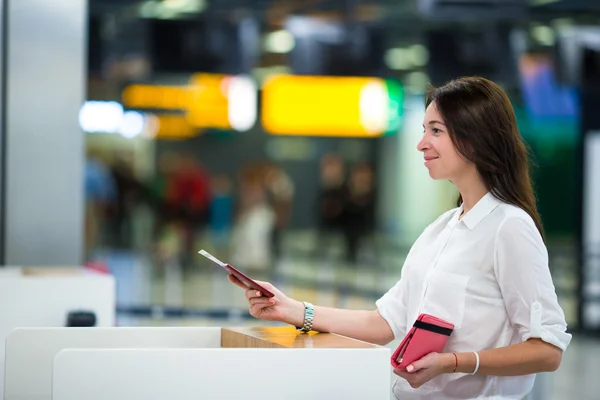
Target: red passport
428,335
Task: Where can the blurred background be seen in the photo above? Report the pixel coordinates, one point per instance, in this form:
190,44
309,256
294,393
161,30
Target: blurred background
281,137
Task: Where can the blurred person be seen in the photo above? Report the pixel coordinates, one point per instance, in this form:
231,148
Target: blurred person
221,211
331,198
160,196
100,193
190,189
161,193
482,266
358,215
251,240
280,192
127,194
189,197
159,185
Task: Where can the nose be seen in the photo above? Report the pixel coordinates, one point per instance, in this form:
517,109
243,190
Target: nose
423,144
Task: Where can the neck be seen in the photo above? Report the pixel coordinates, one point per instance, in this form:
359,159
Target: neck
472,189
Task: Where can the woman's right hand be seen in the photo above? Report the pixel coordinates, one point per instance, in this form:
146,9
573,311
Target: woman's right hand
279,308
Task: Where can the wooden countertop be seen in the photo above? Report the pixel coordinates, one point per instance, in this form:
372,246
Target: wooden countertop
286,336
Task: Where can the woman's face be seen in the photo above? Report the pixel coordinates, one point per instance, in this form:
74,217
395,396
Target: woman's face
440,156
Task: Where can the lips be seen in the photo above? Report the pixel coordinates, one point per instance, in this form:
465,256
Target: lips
431,158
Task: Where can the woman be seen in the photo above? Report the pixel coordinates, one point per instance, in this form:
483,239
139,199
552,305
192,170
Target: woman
482,266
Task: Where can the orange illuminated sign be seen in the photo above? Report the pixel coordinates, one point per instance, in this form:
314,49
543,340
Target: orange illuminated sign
209,105
156,97
171,127
209,101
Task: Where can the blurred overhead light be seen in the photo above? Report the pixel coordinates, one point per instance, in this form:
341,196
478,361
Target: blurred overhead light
279,42
373,106
543,34
100,116
132,124
542,2
174,4
419,55
398,59
242,108
167,13
149,9
417,82
562,23
187,6
109,117
168,9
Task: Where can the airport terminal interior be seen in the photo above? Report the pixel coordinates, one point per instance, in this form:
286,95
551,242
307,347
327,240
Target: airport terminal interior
280,136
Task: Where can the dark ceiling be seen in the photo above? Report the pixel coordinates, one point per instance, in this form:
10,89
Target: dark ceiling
403,17
406,7
404,21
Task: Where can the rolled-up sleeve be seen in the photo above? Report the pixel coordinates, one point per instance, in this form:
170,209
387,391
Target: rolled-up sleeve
521,267
392,306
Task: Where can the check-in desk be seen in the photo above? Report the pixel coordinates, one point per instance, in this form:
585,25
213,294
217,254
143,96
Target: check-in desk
192,363
33,353
44,297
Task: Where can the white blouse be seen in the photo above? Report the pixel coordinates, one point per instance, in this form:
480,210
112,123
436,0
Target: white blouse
488,274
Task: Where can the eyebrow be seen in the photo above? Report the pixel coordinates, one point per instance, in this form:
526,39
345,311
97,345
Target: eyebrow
436,122
433,123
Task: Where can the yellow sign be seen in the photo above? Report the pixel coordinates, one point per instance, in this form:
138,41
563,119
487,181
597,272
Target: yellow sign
209,104
171,127
325,106
156,97
209,101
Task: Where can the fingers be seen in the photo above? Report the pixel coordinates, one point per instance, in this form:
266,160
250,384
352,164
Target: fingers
252,293
239,283
428,361
415,380
262,301
267,286
255,298
256,310
402,373
258,302
412,368
257,305
236,281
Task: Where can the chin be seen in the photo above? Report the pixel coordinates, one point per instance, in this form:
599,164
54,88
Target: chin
435,176
438,176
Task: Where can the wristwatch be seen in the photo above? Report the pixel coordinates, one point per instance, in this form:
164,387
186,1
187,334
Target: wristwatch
309,313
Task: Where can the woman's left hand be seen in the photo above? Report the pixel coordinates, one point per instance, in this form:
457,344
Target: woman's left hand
425,369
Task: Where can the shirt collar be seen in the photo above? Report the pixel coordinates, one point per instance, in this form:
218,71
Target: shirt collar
482,209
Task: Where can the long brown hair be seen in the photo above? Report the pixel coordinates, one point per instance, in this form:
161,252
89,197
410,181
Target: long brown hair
483,128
